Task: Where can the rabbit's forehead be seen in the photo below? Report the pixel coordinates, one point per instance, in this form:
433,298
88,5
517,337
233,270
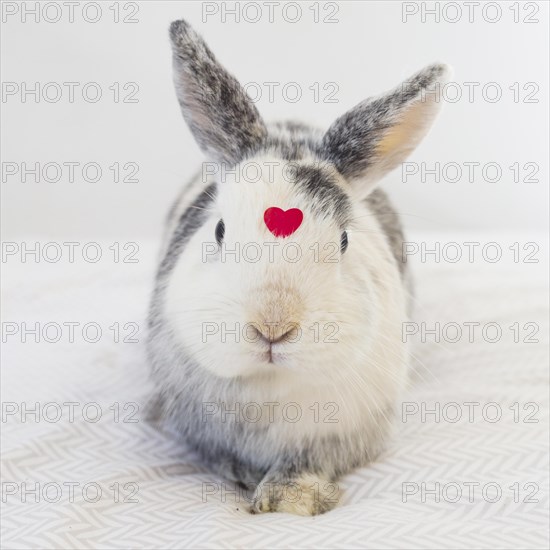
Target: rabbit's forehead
264,182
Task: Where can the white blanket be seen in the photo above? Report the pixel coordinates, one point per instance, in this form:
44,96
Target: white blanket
479,482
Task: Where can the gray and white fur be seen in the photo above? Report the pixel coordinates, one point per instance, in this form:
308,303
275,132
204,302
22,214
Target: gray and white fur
344,380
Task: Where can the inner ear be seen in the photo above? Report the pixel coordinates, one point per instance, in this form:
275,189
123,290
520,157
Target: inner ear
400,138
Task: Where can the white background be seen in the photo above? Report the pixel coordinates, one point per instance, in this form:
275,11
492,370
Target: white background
370,49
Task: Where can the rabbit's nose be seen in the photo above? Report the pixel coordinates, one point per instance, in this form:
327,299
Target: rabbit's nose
276,312
273,334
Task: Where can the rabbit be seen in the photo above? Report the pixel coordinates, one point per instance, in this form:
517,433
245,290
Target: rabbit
280,365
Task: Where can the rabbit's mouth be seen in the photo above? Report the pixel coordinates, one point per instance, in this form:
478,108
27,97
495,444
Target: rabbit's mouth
273,354
272,346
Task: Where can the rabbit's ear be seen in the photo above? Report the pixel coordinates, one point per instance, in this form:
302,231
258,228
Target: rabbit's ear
379,133
225,123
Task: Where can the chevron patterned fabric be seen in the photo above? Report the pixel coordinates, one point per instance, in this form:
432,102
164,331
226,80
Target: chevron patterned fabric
467,466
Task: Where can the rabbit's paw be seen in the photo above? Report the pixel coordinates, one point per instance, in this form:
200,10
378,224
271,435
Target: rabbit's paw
304,495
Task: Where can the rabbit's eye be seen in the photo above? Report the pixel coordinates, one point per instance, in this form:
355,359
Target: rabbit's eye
220,232
344,241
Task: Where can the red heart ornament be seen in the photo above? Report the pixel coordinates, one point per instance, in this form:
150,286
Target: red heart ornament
283,223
